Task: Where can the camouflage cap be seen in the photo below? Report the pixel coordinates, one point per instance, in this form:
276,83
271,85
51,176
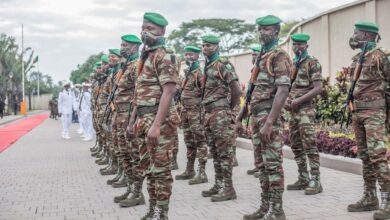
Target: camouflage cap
212,39
156,19
131,38
256,49
366,26
116,52
104,58
192,49
268,20
300,37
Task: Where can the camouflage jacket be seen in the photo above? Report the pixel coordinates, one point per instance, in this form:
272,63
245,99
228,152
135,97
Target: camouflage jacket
375,76
192,88
275,68
308,72
124,93
220,74
159,69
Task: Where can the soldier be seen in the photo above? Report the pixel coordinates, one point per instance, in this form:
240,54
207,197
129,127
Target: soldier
65,109
176,97
368,117
123,101
221,94
306,84
269,95
86,113
257,155
157,119
96,87
109,119
194,136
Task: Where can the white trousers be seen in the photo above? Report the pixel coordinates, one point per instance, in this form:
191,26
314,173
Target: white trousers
66,120
86,122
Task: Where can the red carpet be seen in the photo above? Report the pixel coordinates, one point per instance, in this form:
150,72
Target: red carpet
13,131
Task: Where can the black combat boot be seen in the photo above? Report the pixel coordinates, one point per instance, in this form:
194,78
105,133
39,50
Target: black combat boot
124,195
118,176
314,186
137,198
260,213
160,213
384,210
214,189
368,202
302,183
275,211
227,192
149,214
189,173
201,177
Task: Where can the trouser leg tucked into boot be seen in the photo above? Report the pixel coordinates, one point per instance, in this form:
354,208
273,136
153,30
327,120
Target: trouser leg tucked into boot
189,173
368,202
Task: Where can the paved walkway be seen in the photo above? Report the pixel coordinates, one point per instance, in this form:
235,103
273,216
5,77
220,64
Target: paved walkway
45,177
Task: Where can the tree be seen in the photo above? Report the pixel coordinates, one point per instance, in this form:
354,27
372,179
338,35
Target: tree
286,27
235,34
83,71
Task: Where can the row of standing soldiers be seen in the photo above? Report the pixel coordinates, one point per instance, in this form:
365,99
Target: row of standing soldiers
136,118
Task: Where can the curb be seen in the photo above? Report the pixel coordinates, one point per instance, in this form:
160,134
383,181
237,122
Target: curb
340,163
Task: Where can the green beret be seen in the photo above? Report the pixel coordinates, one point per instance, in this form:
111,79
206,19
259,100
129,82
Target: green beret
131,39
156,19
192,49
256,49
366,26
212,39
104,58
268,20
116,52
98,64
300,37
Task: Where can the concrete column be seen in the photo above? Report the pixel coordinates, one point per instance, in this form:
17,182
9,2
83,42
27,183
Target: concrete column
371,11
325,47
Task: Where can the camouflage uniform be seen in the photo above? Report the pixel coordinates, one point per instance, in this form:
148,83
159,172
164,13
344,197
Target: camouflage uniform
158,70
194,134
368,120
301,124
175,149
219,123
275,67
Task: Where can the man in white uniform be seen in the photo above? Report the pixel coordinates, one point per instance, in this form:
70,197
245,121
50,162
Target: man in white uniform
86,113
65,109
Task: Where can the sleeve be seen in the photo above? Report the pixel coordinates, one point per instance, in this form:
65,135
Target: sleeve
166,69
229,73
386,67
316,70
60,103
282,67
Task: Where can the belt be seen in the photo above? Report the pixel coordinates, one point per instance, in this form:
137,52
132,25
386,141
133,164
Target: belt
375,104
143,110
221,103
264,105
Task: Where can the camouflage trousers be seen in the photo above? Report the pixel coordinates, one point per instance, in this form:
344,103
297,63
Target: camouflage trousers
122,149
270,156
194,135
156,160
137,172
369,129
219,127
303,138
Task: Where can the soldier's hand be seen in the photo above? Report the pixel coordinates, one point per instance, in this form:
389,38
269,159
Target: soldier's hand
130,130
294,106
153,135
266,132
238,127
